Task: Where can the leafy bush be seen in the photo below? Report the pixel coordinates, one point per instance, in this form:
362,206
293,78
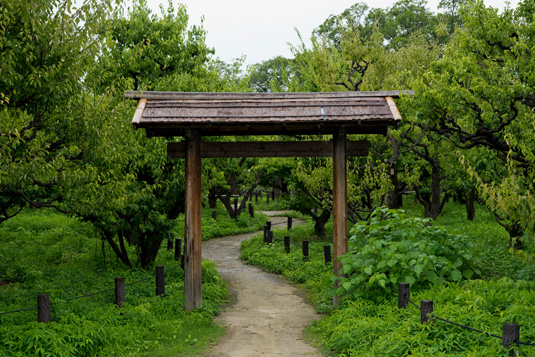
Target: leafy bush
391,248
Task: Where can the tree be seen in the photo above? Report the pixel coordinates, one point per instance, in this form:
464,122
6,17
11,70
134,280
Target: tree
270,75
480,95
137,192
45,50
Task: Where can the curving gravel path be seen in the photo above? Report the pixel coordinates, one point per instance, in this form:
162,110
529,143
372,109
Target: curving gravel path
267,315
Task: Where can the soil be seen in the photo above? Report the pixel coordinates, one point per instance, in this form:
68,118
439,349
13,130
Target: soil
267,314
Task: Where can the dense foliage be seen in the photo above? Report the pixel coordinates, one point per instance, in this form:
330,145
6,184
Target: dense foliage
45,252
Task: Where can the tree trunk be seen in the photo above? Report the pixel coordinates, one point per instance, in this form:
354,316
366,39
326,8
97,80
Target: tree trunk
212,199
433,204
319,223
470,206
148,250
395,197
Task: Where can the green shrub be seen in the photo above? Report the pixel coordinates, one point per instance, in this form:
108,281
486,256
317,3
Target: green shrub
391,248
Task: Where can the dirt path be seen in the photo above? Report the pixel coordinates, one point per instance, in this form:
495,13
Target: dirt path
267,315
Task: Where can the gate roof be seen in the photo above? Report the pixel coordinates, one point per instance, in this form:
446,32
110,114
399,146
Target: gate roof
171,113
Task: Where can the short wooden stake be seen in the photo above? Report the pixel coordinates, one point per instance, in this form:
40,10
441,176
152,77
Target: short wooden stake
290,223
251,210
43,308
119,291
404,294
510,337
214,215
268,223
267,197
269,237
287,244
266,230
178,248
305,250
160,280
182,262
327,254
426,309
235,204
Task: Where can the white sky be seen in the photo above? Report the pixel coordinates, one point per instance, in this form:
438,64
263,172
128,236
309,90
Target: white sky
262,29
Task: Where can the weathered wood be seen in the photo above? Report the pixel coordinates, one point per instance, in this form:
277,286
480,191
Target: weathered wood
269,239
290,223
268,149
160,280
251,210
327,254
120,292
245,96
43,308
305,250
426,308
404,294
510,336
287,244
192,229
340,246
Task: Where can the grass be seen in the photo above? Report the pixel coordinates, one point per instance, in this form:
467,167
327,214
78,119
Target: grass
42,251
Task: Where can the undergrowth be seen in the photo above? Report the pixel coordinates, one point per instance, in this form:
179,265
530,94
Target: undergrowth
43,252
479,284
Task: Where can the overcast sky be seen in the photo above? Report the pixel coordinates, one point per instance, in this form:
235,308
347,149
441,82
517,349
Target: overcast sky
262,29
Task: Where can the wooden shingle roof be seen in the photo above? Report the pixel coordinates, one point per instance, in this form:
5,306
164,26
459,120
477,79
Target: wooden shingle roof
171,113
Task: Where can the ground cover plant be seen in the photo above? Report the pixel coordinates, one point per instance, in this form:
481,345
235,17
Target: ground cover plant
475,281
46,252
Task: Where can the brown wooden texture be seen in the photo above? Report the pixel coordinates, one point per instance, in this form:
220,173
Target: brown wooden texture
192,230
339,201
172,114
269,149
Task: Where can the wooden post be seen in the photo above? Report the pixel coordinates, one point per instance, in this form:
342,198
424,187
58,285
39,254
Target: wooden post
426,308
160,280
267,197
235,204
339,201
404,294
251,210
266,230
290,223
43,308
327,254
192,230
178,248
305,250
269,237
510,336
287,244
120,292
214,215
268,223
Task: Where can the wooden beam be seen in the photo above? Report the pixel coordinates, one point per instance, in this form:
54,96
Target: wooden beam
339,201
192,230
269,149
155,95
